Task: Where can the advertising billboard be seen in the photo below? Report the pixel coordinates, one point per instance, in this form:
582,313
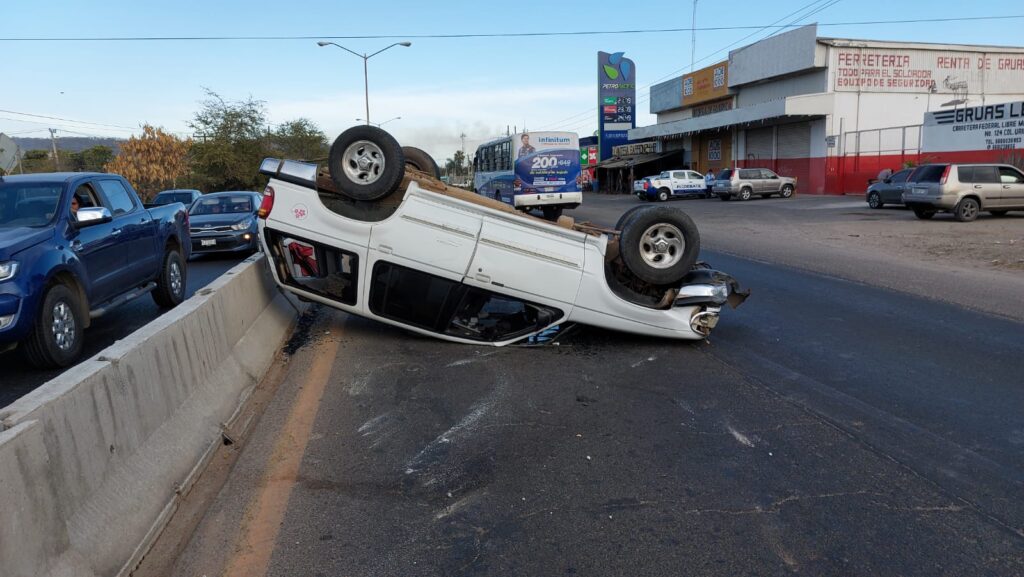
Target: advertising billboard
616,99
922,71
706,84
992,127
546,162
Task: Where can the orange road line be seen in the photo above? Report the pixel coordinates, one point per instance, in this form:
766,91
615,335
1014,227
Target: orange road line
265,513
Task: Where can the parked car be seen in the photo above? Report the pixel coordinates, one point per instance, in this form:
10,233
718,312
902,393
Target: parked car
185,196
225,222
669,184
744,183
965,190
72,247
376,241
888,191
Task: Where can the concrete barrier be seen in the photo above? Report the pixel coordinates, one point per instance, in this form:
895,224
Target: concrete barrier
93,462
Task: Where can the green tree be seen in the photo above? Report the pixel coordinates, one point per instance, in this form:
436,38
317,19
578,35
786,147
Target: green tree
229,144
299,139
37,161
93,159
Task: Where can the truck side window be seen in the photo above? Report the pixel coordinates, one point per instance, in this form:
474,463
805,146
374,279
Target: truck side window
117,197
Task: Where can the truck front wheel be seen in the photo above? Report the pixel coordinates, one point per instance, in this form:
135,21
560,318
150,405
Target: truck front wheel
170,285
659,245
56,338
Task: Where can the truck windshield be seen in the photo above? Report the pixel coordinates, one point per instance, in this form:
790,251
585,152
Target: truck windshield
28,204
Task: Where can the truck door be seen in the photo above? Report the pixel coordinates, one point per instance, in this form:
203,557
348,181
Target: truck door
533,261
97,248
135,233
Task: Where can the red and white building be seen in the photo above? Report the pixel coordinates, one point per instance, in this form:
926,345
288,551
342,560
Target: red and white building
834,112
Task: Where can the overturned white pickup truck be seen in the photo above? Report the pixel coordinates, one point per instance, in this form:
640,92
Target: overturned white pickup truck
377,239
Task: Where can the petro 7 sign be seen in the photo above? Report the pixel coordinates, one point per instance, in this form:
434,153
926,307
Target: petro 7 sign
616,99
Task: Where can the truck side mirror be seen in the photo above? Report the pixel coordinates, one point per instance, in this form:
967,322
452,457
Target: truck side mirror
92,216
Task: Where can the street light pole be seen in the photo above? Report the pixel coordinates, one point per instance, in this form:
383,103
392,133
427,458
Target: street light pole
366,58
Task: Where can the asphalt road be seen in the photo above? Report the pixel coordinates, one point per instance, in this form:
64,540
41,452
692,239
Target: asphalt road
829,427
20,378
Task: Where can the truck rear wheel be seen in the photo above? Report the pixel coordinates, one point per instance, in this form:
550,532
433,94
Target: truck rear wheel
419,160
659,245
56,338
366,163
170,285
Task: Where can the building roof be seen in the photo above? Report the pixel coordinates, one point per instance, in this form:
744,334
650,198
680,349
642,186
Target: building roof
896,45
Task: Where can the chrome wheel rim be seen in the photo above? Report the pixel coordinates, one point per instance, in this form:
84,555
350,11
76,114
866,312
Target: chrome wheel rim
63,327
175,277
661,246
787,192
872,200
745,195
364,162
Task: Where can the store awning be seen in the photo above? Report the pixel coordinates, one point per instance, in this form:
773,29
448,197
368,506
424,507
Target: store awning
805,105
626,161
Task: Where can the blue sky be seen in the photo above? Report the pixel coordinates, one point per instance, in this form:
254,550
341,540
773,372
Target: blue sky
440,87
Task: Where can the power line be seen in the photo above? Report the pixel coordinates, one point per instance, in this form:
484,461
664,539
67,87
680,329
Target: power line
646,97
67,120
497,34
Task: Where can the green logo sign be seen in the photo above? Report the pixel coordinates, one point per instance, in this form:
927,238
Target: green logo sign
609,100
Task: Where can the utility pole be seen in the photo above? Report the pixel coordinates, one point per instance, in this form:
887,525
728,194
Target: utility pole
463,137
693,36
53,143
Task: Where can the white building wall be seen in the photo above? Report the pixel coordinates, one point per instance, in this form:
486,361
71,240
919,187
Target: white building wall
675,115
811,83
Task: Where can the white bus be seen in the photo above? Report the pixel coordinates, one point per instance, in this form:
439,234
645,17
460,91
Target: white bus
531,170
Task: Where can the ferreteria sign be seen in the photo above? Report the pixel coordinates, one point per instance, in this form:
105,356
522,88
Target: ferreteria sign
992,127
924,71
635,149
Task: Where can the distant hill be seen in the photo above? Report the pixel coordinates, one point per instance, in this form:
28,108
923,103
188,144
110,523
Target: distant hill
71,144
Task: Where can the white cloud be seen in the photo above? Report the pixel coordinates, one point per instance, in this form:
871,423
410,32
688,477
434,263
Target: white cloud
434,119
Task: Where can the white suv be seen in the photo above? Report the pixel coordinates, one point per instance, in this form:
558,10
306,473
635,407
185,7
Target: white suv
400,247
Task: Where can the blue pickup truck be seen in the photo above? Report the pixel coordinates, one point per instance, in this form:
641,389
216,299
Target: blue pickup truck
72,247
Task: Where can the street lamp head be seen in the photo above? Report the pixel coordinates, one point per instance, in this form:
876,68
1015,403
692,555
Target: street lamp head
322,43
406,44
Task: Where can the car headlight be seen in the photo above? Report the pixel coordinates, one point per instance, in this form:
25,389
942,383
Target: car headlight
8,270
242,225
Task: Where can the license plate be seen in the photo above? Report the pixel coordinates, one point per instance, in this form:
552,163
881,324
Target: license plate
920,191
208,242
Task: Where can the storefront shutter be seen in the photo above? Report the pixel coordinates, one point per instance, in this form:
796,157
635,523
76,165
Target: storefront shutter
759,144
795,140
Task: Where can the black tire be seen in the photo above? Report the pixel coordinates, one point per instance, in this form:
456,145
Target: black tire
787,191
551,212
418,159
966,210
998,212
366,163
659,265
923,213
875,200
746,193
663,195
724,197
625,216
172,282
55,343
